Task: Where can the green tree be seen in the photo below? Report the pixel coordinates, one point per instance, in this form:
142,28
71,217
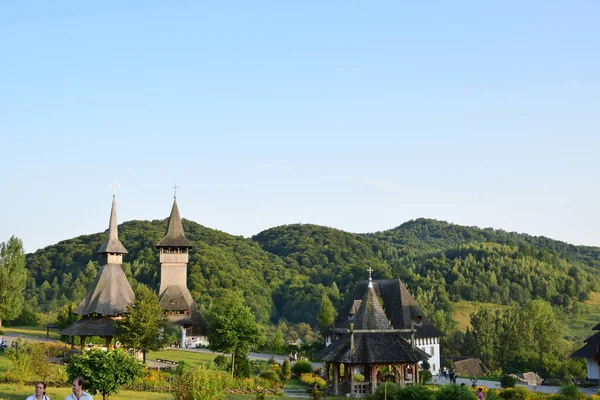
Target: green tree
326,314
483,324
145,327
104,371
232,327
13,277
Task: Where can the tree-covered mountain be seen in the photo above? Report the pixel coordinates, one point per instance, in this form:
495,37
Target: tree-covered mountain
285,271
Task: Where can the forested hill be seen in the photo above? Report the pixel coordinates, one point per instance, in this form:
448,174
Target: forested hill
284,271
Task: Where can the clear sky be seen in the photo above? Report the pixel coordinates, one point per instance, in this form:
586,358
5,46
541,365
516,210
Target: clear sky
358,115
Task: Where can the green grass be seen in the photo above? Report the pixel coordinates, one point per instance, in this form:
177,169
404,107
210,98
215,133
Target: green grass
31,331
18,392
192,357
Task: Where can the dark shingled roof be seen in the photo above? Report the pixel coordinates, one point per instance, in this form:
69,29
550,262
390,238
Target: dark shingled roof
400,308
112,244
590,348
372,348
176,298
109,294
175,236
103,327
370,314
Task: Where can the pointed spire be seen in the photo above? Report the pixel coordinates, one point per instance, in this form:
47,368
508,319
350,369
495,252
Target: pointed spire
175,236
370,314
112,244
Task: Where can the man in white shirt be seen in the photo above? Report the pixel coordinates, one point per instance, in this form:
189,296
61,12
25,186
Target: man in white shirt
78,393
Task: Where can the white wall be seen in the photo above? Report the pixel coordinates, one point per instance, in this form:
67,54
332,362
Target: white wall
431,346
592,369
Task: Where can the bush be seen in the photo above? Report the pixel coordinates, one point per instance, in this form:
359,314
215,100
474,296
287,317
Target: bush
311,379
359,378
425,376
199,383
222,362
387,391
28,317
270,376
301,367
286,370
454,392
517,393
417,392
572,392
508,381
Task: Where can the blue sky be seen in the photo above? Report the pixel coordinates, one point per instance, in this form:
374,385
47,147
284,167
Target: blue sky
358,115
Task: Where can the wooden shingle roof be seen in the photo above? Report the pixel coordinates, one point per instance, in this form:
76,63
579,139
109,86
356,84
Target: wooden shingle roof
103,327
175,236
370,314
400,308
176,298
109,294
112,244
372,348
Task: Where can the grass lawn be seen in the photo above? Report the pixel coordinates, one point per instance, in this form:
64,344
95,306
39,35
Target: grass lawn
17,392
31,331
192,357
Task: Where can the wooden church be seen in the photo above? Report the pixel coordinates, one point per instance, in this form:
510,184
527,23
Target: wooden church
110,294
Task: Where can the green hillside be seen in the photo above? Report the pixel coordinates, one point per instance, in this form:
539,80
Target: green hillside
284,271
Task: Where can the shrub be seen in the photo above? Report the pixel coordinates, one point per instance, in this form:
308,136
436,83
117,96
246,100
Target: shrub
492,395
508,381
359,378
311,379
425,365
199,383
301,367
425,376
387,390
270,376
417,392
454,392
517,393
286,370
572,392
222,362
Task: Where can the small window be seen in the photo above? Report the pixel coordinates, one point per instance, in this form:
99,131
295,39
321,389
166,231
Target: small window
432,351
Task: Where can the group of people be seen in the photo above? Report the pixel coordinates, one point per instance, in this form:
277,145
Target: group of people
78,392
294,357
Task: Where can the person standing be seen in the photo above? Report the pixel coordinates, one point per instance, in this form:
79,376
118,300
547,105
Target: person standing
480,394
40,392
78,393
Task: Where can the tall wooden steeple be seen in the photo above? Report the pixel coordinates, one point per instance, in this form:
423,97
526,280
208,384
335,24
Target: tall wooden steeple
175,298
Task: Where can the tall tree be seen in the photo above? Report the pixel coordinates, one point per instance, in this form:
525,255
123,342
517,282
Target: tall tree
232,327
13,277
326,314
145,327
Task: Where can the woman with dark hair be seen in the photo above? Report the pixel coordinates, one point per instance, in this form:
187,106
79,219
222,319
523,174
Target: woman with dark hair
40,392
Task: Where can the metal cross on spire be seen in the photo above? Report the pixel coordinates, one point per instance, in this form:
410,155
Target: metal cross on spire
115,186
370,280
175,188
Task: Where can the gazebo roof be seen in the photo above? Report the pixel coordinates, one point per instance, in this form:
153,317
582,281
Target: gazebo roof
103,327
400,308
370,314
372,348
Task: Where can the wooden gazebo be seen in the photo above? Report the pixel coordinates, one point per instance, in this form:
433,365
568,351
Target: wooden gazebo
371,345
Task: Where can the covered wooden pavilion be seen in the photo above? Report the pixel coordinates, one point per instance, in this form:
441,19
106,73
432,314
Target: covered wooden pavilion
371,345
